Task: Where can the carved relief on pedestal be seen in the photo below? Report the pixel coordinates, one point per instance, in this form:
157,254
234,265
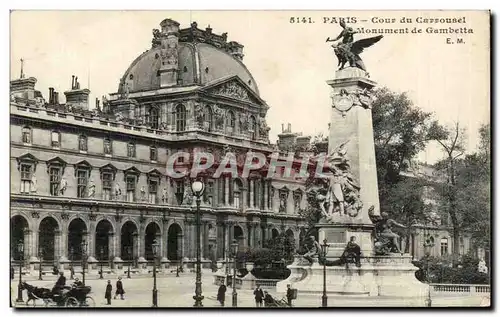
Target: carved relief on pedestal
344,100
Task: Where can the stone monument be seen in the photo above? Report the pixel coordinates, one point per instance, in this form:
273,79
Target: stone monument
348,199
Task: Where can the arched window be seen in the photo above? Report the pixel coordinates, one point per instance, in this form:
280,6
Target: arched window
26,135
208,118
237,195
153,117
82,143
180,118
231,121
253,127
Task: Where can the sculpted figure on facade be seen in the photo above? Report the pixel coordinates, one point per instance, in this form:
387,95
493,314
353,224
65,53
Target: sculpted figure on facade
63,186
199,114
91,190
232,90
156,38
386,241
263,128
219,117
33,186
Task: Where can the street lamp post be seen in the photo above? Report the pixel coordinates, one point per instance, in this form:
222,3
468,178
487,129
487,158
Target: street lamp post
324,250
20,248
428,244
72,254
40,255
101,253
84,246
235,294
129,252
155,291
198,188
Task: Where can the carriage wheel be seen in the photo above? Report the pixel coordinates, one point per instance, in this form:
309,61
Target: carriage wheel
89,301
71,302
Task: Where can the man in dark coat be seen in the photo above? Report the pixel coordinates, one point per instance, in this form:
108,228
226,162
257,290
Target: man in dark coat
352,251
259,296
60,283
109,290
221,294
119,288
289,295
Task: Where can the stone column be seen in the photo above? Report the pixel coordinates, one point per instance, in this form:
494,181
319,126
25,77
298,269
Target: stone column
27,252
290,204
165,238
142,242
251,189
58,252
91,239
64,250
180,246
117,245
135,246
204,241
251,234
111,247
226,191
266,188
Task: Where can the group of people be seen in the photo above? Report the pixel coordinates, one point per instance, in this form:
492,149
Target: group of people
119,291
261,297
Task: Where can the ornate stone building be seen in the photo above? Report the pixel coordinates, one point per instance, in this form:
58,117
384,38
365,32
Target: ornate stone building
100,175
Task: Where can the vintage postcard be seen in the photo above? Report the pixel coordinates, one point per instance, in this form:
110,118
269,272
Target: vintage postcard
250,159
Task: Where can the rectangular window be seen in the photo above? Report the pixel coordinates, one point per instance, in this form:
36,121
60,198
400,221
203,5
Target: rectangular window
153,153
26,135
25,178
444,246
107,183
131,150
82,180
153,191
55,180
55,139
179,192
130,180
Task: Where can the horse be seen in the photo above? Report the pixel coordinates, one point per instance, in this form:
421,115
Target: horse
35,293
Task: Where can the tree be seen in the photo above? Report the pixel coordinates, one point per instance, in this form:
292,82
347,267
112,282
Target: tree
465,192
400,133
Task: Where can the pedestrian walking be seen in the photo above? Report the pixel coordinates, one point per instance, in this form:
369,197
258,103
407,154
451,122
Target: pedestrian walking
259,296
290,294
109,290
221,294
119,288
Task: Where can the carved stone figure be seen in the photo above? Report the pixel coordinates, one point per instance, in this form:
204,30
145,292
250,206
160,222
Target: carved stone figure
64,185
118,191
188,196
199,114
386,241
481,267
348,50
339,192
156,38
263,128
33,184
283,195
91,190
244,122
164,195
143,193
219,117
232,90
312,249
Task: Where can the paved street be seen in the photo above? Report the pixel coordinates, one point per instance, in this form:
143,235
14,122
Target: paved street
178,292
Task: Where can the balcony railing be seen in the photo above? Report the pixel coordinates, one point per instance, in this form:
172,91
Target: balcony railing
460,288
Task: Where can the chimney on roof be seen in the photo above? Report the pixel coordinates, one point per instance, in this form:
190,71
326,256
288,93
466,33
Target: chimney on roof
76,97
169,53
235,49
56,97
290,127
282,127
51,96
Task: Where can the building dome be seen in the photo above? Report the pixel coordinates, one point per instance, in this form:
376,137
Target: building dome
199,63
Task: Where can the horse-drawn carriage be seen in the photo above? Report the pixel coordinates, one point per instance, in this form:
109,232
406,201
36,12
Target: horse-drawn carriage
70,296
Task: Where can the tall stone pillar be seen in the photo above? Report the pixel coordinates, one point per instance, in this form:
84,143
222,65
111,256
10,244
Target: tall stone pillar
111,246
226,191
142,242
135,245
351,138
117,252
266,194
27,248
58,252
251,189
90,236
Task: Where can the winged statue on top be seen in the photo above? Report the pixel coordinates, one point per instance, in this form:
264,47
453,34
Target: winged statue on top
347,50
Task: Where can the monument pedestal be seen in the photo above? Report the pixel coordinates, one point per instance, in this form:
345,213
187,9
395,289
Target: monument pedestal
391,275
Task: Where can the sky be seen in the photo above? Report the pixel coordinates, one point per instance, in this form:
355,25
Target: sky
290,62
